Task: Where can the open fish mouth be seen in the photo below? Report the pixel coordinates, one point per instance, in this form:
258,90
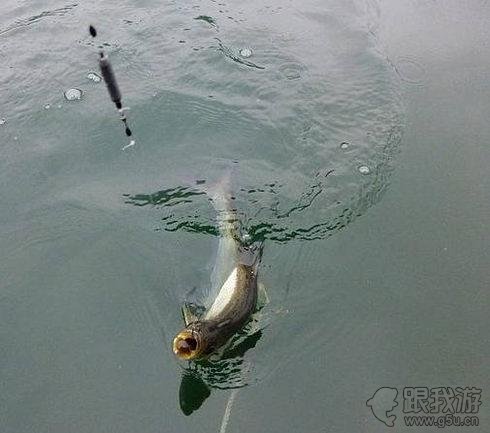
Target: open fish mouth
186,345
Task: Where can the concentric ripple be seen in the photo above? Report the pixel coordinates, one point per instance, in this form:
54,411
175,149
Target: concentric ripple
309,137
301,110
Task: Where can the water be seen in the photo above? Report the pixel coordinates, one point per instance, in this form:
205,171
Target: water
376,277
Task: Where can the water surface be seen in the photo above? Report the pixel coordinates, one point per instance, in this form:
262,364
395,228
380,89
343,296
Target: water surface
357,136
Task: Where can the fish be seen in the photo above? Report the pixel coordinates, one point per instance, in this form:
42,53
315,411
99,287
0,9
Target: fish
233,282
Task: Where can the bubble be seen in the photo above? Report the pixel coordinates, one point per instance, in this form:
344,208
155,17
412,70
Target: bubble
364,169
47,106
92,76
73,94
3,121
344,145
245,52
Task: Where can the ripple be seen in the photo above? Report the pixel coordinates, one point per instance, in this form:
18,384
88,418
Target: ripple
296,168
282,128
207,19
275,216
166,197
410,70
292,71
236,55
25,22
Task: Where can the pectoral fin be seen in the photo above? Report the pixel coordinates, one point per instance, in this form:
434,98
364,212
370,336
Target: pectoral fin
191,312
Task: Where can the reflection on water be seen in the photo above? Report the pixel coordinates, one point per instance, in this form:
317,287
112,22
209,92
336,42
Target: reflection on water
193,391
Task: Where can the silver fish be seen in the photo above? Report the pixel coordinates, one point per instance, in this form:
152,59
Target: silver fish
236,297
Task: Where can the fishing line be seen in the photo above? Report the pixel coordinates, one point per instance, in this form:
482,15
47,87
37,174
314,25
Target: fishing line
226,415
231,400
112,87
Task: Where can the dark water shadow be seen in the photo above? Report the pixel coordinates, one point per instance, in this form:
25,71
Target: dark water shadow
200,377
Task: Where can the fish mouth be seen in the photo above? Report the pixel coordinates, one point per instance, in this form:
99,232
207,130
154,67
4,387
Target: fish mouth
186,345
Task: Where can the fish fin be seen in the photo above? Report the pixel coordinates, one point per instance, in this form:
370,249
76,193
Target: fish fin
191,312
262,296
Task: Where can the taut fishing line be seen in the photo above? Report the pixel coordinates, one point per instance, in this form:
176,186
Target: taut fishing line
111,83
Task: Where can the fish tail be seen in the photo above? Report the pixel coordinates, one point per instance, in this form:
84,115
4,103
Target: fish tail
258,249
220,193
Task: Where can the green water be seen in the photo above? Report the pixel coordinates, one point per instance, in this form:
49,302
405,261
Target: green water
376,279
